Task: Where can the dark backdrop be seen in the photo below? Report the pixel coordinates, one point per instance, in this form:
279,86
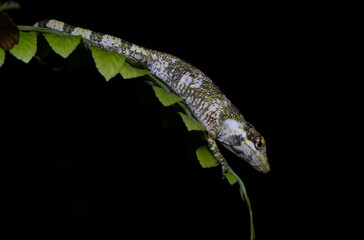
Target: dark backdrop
83,157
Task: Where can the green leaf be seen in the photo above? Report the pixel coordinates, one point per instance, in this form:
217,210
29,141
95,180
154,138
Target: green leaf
205,157
231,178
64,45
166,98
128,71
191,123
26,48
108,63
2,57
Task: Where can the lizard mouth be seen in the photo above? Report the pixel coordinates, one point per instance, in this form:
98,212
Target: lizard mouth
257,160
260,163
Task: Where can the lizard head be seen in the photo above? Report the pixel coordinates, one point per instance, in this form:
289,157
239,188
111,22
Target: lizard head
243,140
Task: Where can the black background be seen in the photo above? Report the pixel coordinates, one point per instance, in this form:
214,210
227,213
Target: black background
84,158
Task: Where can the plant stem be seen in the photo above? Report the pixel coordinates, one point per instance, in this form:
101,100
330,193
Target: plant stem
245,197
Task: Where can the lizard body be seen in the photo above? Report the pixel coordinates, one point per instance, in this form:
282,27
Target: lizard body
208,104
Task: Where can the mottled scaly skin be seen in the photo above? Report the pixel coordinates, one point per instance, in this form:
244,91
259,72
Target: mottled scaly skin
208,104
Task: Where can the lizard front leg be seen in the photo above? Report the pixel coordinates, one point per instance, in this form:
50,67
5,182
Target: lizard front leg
216,152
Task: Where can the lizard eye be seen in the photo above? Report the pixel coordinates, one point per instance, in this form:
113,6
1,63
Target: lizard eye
259,143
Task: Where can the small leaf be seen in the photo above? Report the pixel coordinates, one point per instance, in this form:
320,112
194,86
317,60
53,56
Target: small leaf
231,178
128,71
205,157
166,98
191,123
2,57
26,48
108,63
63,45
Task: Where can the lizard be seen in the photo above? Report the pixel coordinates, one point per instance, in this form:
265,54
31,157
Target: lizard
223,121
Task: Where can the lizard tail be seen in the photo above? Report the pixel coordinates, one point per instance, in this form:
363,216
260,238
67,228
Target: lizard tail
104,41
96,37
